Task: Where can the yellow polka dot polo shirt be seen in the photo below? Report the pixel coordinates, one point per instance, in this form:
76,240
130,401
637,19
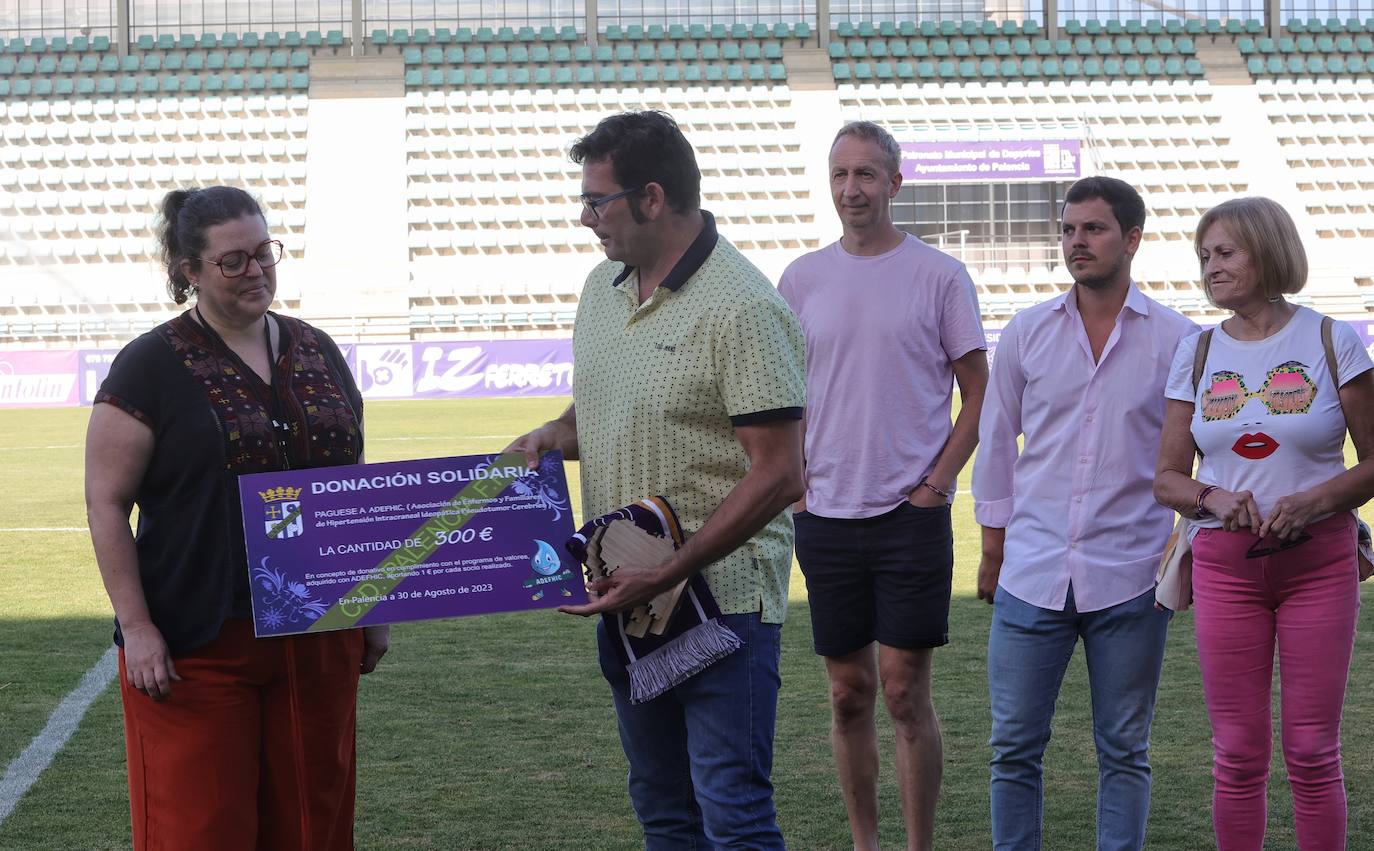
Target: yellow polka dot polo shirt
659,387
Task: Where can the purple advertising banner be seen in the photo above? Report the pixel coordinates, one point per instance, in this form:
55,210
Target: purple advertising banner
1010,160
41,379
366,544
446,370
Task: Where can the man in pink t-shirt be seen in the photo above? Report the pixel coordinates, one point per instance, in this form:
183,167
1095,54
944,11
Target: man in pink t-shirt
890,324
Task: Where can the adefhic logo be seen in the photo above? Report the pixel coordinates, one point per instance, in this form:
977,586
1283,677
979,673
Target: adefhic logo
281,513
386,371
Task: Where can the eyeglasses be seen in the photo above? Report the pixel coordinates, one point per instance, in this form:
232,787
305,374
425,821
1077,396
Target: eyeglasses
1286,390
594,205
235,263
1257,551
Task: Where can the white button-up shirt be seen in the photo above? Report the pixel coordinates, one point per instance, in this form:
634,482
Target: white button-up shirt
1077,502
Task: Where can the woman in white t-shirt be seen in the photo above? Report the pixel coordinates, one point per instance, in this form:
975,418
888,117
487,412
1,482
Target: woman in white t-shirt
1274,558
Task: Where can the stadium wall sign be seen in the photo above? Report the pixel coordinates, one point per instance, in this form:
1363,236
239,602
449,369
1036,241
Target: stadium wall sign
452,370
991,160
54,378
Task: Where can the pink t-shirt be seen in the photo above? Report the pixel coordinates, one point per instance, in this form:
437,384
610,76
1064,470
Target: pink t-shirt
881,333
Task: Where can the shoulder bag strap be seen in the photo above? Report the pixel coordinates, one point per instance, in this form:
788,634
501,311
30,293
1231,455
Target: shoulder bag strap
1204,345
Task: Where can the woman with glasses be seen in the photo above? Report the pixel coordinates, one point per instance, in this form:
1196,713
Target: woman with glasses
1266,399
233,742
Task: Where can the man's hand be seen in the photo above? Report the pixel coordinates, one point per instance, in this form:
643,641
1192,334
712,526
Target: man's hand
629,586
559,434
376,641
990,566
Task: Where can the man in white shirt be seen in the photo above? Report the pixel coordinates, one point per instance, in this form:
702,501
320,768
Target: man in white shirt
1071,531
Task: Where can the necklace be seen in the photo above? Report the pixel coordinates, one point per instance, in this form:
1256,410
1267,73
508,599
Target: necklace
281,427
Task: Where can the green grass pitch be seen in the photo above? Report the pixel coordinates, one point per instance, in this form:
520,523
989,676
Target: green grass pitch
497,732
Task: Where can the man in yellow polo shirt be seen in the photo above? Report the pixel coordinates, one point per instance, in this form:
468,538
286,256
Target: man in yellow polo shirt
689,384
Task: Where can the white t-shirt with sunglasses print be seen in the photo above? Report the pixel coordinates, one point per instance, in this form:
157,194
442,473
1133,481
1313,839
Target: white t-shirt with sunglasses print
1265,415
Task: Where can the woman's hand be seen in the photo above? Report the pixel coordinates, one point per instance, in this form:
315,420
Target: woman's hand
376,641
1235,509
1290,515
147,663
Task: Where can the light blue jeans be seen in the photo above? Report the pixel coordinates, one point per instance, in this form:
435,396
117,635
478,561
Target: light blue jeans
701,755
1028,651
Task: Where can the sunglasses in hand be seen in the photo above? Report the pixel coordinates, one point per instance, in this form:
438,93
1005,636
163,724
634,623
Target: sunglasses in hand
1258,551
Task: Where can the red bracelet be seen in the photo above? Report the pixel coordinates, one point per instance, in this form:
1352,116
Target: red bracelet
926,484
1199,511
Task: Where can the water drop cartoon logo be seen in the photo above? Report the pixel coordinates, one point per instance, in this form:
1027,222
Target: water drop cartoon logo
545,561
548,567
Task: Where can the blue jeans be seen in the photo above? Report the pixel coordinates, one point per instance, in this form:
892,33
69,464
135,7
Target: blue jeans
701,755
1028,651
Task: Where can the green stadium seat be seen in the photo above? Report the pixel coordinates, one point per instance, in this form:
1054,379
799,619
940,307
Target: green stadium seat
313,38
292,39
1021,47
1144,46
7,66
1364,44
730,50
757,73
677,32
1009,68
43,87
278,82
526,35
649,74
877,50
1326,44
1345,44
920,49
1092,67
635,32
753,51
477,55
22,88
1335,25
1193,68
1316,65
143,42
299,59
645,52
1030,67
1234,27
48,64
29,65
929,29
90,63
505,35
1357,65
1214,27
715,74
1071,67
414,78
780,31
251,39
129,64
432,56
1193,26
540,54
837,50
777,72
949,28
1112,67
1133,26
710,51
214,61
939,48
1335,65
543,77
605,74
238,60
568,33
497,55
1275,65
1164,46
905,71
1185,46
583,52
500,76
63,87
1132,68
773,50
378,38
1173,67
697,32
485,35
867,29
1307,44
520,77
478,77
519,54
627,74
1154,67
273,39
1042,47
863,71
802,30
229,41
691,74
1287,45
1050,67
987,68
300,81
562,54
147,85
1083,46
85,86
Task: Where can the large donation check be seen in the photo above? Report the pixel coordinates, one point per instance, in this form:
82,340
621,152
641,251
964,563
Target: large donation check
367,544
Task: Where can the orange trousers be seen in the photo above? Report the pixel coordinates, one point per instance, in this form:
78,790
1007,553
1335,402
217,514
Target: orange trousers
253,750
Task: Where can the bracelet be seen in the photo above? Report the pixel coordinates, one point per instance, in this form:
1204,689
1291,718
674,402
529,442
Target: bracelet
1199,511
923,483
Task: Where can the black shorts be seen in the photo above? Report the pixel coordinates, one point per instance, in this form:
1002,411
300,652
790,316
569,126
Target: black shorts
884,578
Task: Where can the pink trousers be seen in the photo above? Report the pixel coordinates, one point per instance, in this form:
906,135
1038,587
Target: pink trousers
1306,600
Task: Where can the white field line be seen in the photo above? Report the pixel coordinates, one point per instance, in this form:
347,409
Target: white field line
82,529
30,765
